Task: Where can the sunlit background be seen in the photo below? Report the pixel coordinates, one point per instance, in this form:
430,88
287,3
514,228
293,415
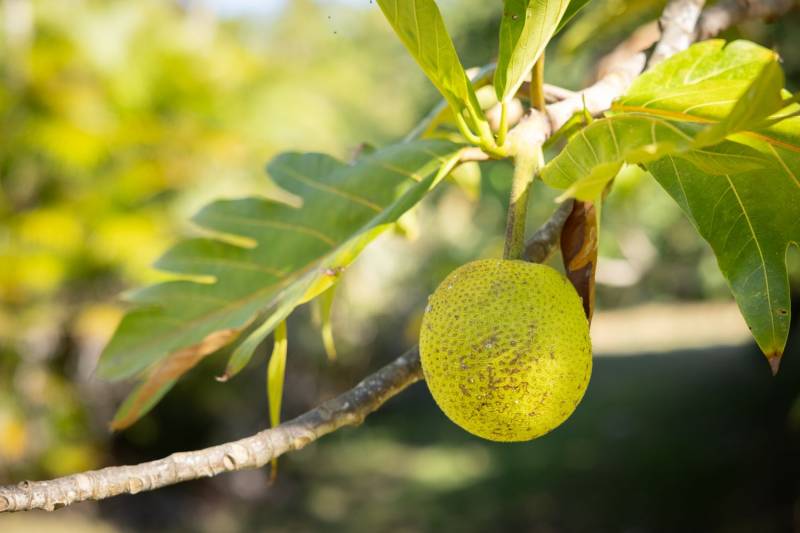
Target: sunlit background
119,119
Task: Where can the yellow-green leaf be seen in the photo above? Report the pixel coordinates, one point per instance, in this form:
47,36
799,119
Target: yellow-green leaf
683,107
420,26
325,302
276,373
526,28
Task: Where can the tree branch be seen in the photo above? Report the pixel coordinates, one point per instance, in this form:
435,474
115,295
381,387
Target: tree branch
541,245
678,22
727,13
350,408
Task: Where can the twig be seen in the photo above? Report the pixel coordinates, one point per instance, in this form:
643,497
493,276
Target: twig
541,245
553,93
640,40
598,97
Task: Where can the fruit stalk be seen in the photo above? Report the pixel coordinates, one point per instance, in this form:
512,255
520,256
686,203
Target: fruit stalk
526,165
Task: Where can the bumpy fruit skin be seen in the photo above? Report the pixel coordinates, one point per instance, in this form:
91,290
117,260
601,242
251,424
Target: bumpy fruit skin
505,349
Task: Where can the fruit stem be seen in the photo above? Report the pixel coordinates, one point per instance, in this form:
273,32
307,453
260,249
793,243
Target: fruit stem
526,165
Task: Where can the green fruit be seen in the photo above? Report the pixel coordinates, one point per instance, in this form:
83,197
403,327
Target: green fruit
505,349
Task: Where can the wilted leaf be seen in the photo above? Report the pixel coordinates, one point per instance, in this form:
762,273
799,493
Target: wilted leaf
163,376
293,253
579,251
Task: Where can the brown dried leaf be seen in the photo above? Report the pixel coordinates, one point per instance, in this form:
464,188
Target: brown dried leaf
579,251
163,376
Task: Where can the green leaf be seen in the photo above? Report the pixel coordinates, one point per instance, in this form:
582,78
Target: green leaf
267,257
420,26
596,153
733,86
682,107
749,219
525,30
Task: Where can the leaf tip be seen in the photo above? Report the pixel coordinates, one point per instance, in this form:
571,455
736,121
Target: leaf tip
223,378
774,362
119,423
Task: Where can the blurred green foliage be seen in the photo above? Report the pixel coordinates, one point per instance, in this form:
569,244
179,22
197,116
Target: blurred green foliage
118,120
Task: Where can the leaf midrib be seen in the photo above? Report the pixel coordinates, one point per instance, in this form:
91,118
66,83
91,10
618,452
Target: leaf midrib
677,115
760,254
763,264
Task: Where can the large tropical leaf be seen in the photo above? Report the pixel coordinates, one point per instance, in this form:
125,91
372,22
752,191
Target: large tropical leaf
683,107
420,26
525,30
749,218
264,259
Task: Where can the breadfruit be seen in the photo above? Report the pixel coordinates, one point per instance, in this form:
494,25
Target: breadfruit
505,349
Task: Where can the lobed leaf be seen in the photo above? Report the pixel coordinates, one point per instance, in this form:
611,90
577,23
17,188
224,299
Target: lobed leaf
749,218
265,259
